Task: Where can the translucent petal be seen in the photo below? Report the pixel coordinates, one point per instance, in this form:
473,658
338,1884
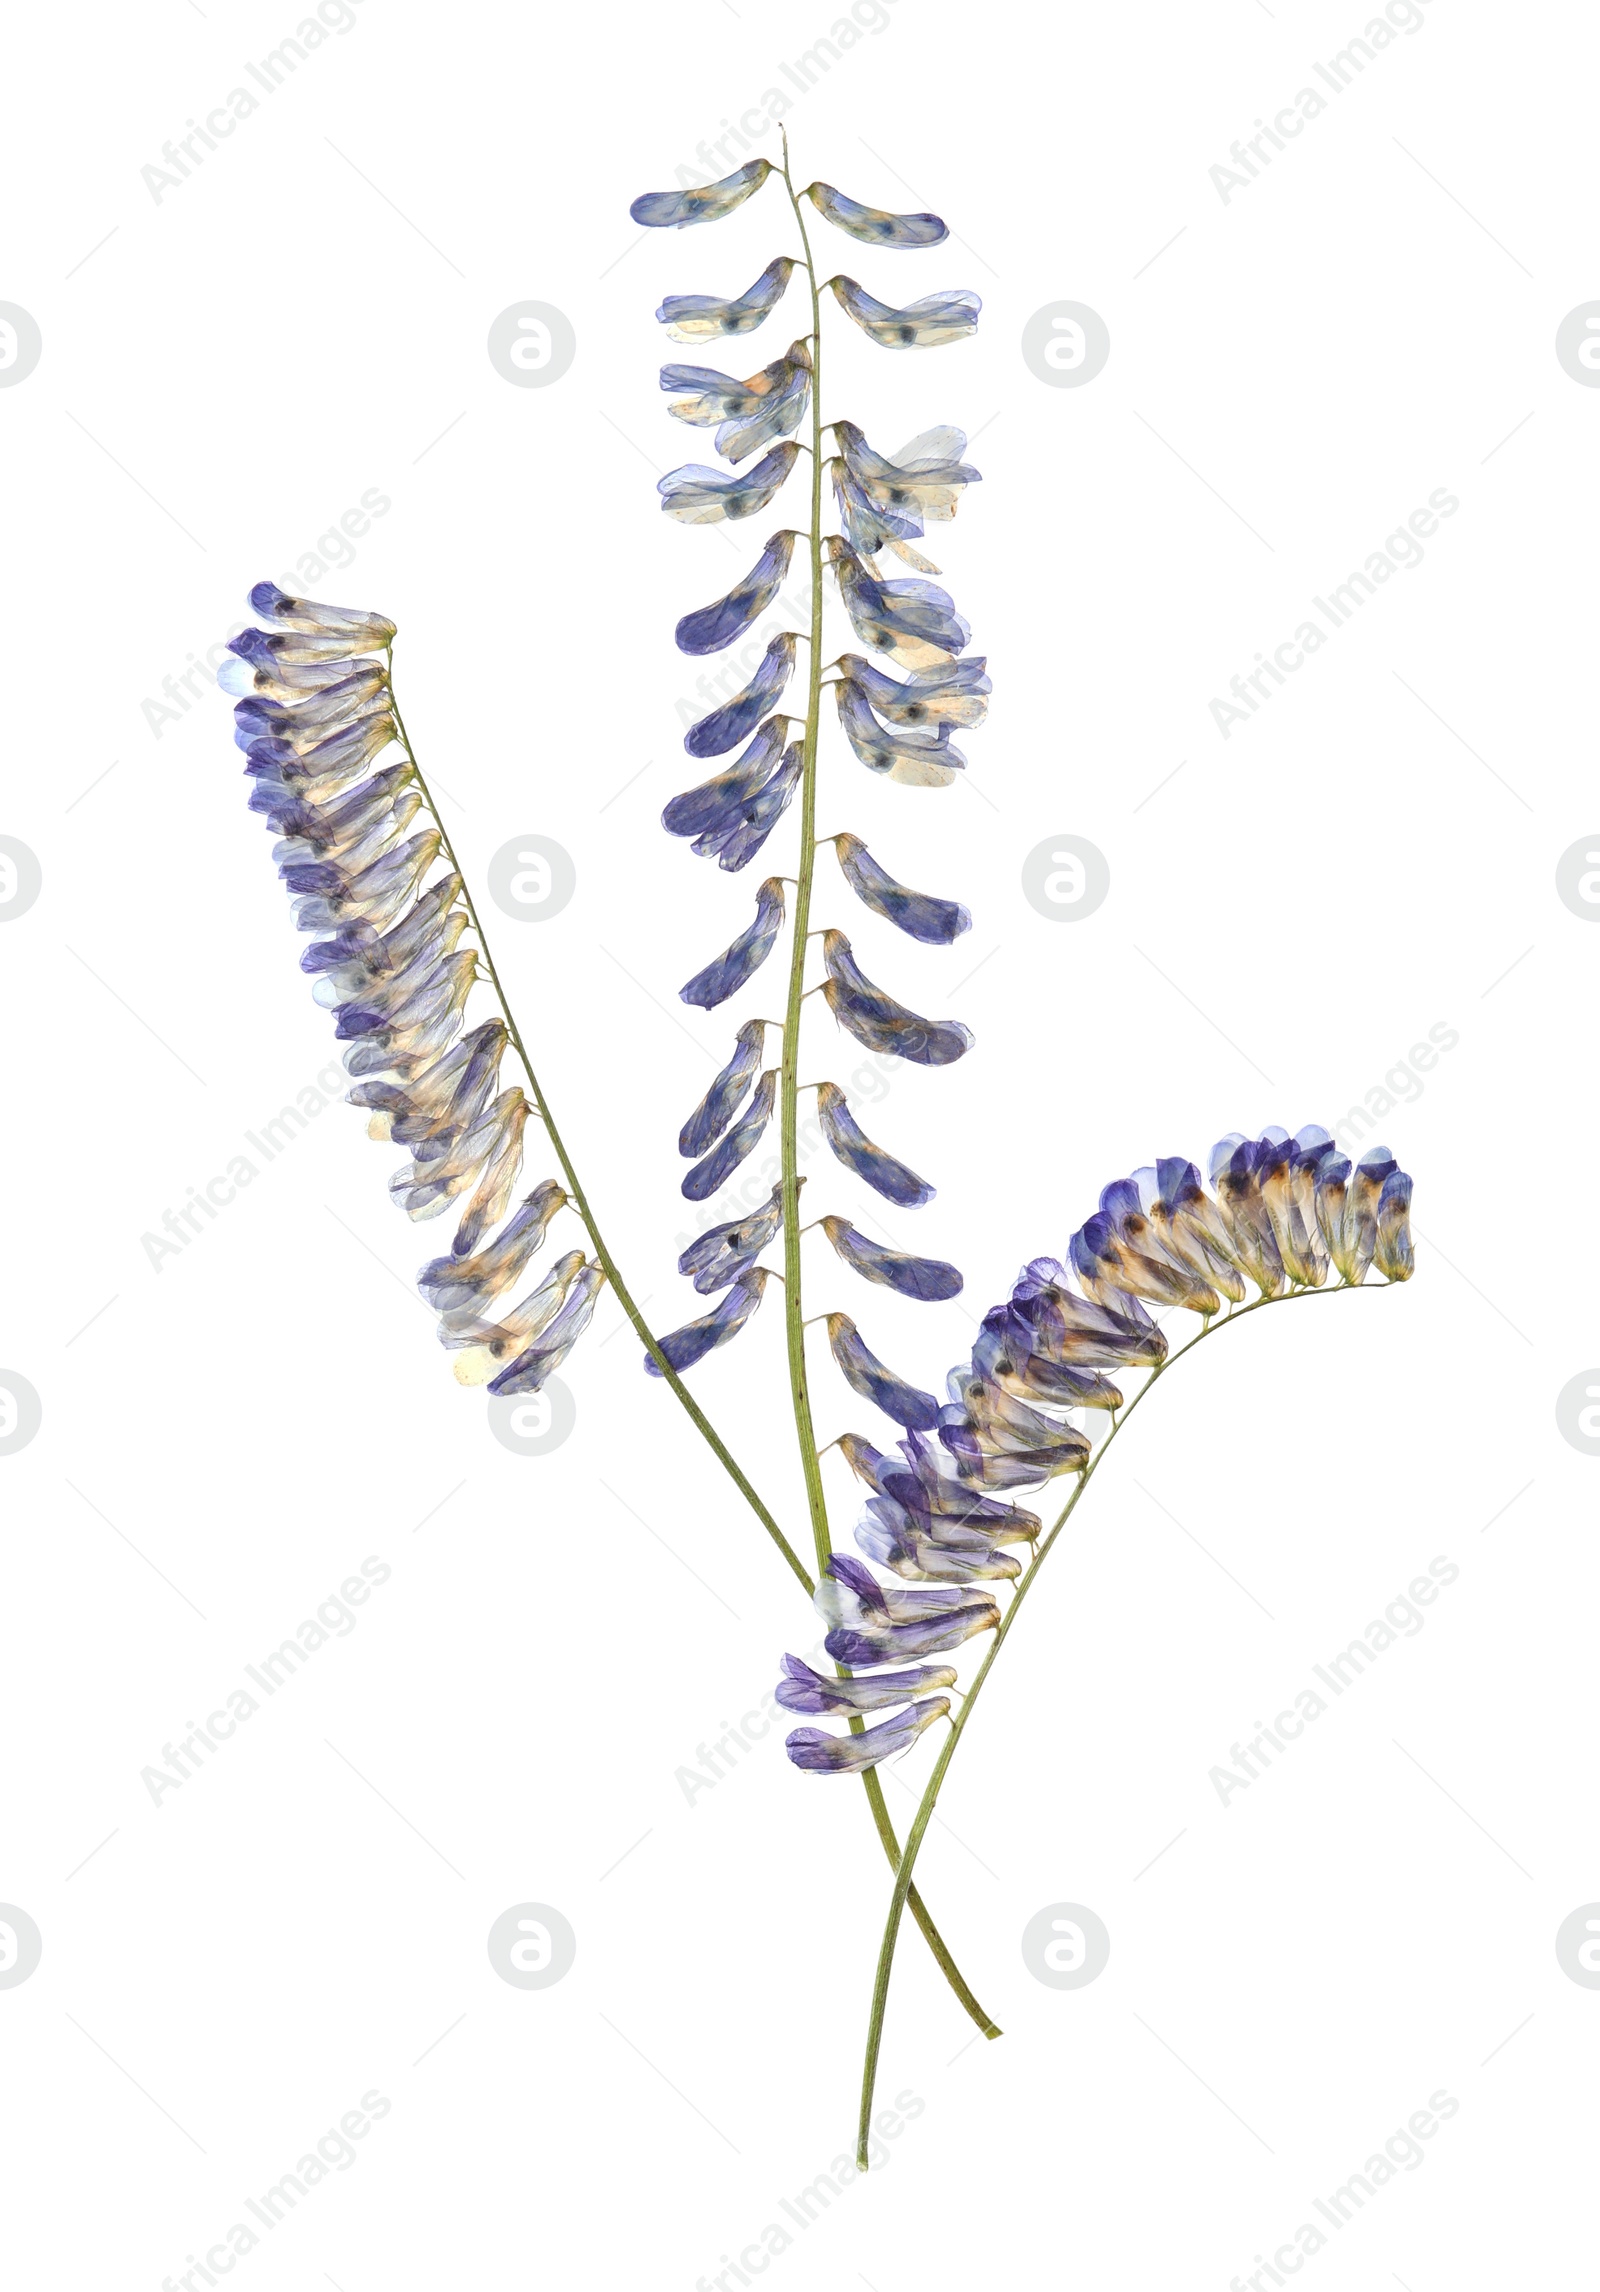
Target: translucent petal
728,972
934,921
928,1278
683,1347
420,1105
705,203
921,325
872,224
1001,1353
910,759
867,1375
715,1111
274,604
530,1369
703,317
861,1647
915,623
725,1252
923,480
490,1153
716,625
894,1539
726,726
735,839
715,803
816,1752
1106,1256
870,527
695,495
294,648
719,1165
878,1022
502,1167
1393,1253
1235,1177
851,1594
1062,1326
459,1288
802,1689
482,1346
911,1476
856,1151
951,692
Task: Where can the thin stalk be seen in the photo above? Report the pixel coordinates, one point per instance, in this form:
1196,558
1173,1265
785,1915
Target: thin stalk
924,1813
789,1077
880,1813
789,1106
580,1200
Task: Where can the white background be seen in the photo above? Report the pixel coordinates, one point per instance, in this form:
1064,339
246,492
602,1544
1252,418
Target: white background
225,371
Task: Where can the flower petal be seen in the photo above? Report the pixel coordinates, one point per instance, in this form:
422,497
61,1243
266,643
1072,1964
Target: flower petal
817,1752
529,1371
703,317
910,759
695,495
936,922
715,1111
915,623
878,1022
867,1375
716,625
719,1165
951,692
725,1252
872,224
802,1689
683,1347
850,1144
726,726
921,325
704,203
727,972
928,1278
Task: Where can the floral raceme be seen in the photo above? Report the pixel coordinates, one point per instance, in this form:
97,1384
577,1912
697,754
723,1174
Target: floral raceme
896,711
390,955
1282,1215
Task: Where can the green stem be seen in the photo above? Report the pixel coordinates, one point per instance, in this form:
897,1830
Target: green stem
580,1201
789,1078
789,1107
924,1813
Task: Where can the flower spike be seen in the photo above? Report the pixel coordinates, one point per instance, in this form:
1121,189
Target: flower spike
393,960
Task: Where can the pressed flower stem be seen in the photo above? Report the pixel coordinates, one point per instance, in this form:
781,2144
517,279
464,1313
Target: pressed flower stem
789,1075
789,1106
924,1813
580,1201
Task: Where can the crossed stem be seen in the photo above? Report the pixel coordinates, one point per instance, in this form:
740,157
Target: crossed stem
608,1264
958,1726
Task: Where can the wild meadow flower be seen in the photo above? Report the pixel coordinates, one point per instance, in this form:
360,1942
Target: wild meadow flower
393,954
946,1553
898,726
1284,1213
